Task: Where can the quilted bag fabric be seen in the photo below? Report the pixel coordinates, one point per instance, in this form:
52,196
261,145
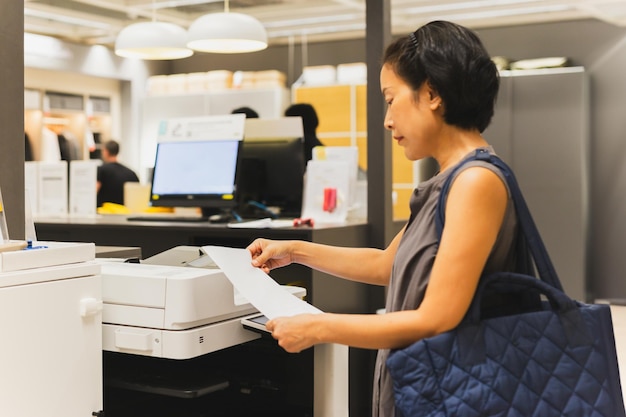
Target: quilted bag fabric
555,357
560,361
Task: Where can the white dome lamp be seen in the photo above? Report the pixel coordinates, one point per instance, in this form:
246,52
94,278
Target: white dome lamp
152,40
226,33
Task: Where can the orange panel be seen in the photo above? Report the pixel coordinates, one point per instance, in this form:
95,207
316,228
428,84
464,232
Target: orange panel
361,108
402,168
361,143
401,209
332,105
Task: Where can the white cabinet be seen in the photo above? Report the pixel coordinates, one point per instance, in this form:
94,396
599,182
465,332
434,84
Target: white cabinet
51,350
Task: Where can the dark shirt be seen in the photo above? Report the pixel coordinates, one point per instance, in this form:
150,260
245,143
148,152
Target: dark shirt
64,148
310,142
112,177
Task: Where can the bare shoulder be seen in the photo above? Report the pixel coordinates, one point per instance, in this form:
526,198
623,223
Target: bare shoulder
479,181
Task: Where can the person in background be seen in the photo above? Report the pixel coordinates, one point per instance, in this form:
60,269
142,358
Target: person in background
309,124
440,86
249,112
112,175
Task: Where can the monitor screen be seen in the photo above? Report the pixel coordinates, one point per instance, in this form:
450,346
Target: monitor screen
272,174
200,173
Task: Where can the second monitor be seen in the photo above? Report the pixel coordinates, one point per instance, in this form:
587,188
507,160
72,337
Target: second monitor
271,168
271,175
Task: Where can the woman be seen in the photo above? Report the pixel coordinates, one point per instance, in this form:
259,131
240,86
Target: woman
440,86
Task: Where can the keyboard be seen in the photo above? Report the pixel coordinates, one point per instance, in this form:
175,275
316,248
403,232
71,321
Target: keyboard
166,218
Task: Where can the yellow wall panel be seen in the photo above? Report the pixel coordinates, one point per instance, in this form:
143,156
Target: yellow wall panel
361,143
361,108
401,210
402,169
332,105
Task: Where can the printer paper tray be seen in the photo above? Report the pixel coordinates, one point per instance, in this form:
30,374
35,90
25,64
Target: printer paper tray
189,387
175,344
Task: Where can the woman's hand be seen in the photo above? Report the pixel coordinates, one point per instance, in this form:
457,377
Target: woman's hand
270,254
295,333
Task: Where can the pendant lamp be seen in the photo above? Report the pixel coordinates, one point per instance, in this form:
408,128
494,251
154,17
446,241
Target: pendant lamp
226,33
152,41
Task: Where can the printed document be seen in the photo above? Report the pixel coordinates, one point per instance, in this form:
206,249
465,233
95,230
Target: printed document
255,285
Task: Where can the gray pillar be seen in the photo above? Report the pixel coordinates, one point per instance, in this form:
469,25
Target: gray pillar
379,205
12,114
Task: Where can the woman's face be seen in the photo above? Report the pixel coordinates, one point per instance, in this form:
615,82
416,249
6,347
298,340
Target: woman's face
410,115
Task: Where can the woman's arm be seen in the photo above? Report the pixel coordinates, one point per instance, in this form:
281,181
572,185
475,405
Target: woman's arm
475,208
367,265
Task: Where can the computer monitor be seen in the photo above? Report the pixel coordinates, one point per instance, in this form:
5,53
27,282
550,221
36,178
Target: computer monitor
272,174
196,173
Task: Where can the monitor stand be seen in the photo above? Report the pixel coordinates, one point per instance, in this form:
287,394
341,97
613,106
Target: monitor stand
214,215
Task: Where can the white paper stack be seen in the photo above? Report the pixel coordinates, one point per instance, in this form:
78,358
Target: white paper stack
319,75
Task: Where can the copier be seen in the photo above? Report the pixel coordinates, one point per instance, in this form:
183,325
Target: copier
171,320
176,305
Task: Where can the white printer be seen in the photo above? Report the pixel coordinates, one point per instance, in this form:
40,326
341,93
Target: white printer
175,305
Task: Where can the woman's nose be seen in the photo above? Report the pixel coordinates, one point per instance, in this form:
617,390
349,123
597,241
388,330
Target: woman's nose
388,123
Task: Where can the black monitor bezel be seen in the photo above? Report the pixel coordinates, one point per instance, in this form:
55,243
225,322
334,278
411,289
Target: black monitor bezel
209,203
288,166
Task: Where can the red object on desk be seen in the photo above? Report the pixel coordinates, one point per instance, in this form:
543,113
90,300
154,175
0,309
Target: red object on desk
303,222
330,199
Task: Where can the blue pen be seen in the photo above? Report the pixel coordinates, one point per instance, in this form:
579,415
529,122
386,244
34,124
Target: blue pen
29,246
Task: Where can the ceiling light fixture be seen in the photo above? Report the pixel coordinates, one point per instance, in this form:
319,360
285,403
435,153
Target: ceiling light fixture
227,33
152,41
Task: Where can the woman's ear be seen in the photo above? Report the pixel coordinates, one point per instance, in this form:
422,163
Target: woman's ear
433,97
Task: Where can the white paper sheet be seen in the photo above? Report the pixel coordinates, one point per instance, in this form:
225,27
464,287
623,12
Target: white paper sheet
266,223
83,188
321,174
255,285
52,187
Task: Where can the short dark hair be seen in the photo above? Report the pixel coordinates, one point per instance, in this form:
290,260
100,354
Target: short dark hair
112,147
454,61
249,112
310,121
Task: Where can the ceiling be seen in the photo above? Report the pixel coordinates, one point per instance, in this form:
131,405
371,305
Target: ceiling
98,21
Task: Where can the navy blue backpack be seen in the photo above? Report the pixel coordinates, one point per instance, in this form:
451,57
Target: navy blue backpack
549,356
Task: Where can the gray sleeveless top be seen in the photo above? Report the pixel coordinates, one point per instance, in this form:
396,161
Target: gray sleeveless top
414,261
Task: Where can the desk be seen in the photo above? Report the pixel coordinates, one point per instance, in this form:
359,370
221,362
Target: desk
325,292
118,252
